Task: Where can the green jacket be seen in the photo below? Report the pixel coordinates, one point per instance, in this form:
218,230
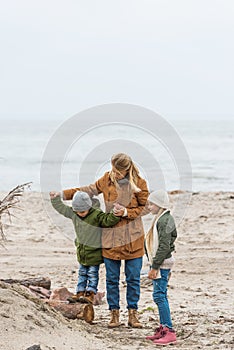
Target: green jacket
166,237
88,231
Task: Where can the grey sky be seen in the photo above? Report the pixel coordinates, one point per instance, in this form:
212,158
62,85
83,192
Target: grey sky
173,56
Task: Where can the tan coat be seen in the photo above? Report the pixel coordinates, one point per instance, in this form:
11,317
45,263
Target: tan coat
125,240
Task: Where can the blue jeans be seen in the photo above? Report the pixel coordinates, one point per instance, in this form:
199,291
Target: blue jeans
132,273
87,278
160,298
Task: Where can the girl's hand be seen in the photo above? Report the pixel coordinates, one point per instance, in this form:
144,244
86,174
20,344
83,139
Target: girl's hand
54,194
152,274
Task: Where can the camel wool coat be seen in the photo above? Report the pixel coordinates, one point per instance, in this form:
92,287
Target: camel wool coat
125,240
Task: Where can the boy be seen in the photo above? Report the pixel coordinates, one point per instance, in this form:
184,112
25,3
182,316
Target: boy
159,246
87,222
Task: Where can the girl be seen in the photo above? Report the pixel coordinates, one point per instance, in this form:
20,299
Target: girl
159,246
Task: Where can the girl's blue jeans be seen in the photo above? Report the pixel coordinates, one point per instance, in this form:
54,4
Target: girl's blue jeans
160,298
132,273
88,278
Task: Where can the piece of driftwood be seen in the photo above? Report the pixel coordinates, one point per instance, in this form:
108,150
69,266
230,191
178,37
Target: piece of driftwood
58,300
60,294
10,201
43,282
73,311
40,292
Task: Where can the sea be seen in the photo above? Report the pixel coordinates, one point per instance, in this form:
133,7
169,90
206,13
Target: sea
199,157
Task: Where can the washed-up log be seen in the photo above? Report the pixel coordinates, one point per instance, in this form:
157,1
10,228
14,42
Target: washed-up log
73,311
40,292
43,282
60,294
58,300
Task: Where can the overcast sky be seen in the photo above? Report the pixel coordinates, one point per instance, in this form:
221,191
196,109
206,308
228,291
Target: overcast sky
60,57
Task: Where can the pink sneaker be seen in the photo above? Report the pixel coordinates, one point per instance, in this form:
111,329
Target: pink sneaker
157,333
168,337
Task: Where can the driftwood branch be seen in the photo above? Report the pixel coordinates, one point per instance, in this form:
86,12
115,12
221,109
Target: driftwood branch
10,201
39,282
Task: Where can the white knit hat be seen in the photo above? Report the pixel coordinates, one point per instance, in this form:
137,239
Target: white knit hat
160,198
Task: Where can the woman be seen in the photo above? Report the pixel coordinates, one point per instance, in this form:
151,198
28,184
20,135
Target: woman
126,192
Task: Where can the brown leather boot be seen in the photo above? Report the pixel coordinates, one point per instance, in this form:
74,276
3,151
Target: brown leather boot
114,321
132,319
76,297
88,297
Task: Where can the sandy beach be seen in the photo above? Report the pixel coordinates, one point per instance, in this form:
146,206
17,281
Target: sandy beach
200,288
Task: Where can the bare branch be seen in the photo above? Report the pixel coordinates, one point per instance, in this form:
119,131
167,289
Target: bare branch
10,201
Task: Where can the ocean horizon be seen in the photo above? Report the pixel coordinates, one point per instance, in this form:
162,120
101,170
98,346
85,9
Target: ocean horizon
208,144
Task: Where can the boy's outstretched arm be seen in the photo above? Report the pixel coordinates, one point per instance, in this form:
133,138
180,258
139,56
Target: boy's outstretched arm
107,219
59,206
54,194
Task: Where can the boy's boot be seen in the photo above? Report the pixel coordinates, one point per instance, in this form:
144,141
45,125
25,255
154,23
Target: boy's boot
76,297
133,319
157,333
114,321
168,337
88,297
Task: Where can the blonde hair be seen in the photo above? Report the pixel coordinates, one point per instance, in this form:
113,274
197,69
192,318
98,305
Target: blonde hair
123,162
149,238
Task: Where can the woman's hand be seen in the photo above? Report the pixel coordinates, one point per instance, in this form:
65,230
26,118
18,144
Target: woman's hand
118,209
152,274
54,194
